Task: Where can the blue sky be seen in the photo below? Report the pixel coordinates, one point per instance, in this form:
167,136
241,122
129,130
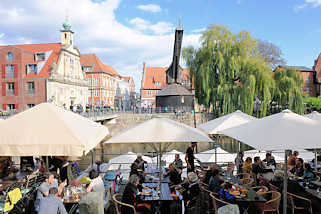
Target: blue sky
126,33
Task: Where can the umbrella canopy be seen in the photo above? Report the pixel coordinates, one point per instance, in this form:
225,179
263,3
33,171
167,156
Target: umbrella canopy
159,130
125,161
234,119
169,157
283,131
49,130
221,154
314,116
278,155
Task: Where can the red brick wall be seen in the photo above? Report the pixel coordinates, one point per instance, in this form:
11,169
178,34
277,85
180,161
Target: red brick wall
309,87
20,97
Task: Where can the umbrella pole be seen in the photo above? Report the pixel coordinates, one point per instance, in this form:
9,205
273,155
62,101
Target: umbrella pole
47,163
215,147
92,157
285,182
315,160
160,167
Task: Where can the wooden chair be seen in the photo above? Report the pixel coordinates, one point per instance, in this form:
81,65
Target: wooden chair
274,188
292,198
217,203
247,182
206,198
273,204
317,178
244,175
118,204
280,165
184,181
262,189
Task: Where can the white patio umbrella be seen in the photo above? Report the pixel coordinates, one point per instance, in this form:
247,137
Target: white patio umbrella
159,130
221,156
282,131
314,116
49,130
213,127
169,157
125,161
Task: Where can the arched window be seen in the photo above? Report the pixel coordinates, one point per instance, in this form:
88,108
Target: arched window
10,56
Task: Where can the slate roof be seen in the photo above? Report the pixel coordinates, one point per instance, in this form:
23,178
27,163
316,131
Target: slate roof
174,89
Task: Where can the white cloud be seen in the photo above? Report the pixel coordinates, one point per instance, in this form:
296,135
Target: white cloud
154,8
140,23
96,31
306,4
162,27
200,30
158,28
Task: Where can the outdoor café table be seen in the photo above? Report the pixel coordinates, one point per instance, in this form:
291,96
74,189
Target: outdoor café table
161,198
249,203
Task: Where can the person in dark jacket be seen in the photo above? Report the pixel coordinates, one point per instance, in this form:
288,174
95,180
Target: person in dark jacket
191,190
298,170
258,167
174,176
216,182
269,160
131,196
140,162
209,173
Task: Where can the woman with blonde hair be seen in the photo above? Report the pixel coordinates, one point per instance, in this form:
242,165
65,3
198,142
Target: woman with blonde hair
247,165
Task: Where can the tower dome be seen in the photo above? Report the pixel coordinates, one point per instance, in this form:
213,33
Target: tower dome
66,25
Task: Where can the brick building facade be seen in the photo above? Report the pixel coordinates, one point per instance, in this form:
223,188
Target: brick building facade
36,73
154,80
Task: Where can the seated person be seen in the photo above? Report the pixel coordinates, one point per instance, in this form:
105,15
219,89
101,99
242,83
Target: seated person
258,167
292,159
130,196
215,182
247,165
178,163
133,169
191,189
140,162
269,160
43,189
295,188
97,183
308,173
298,170
225,194
26,163
5,166
174,176
209,173
52,204
318,158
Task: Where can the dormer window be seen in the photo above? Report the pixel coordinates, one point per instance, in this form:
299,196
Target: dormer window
40,56
31,68
10,56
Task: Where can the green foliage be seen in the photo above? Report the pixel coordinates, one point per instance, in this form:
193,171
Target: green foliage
227,74
288,91
313,103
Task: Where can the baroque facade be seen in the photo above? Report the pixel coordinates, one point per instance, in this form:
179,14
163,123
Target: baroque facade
36,73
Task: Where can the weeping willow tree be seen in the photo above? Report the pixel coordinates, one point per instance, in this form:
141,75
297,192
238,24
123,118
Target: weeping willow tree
227,74
288,92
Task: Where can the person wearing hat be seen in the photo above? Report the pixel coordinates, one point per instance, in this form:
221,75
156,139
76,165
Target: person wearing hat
191,189
140,162
189,157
